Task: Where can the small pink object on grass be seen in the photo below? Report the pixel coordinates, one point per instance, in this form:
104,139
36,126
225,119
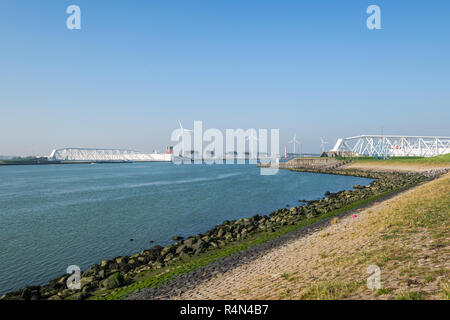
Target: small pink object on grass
354,216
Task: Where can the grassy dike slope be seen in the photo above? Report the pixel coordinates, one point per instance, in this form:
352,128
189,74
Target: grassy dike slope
407,237
402,163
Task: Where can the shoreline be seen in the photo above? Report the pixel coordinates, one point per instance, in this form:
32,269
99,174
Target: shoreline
116,278
406,236
194,278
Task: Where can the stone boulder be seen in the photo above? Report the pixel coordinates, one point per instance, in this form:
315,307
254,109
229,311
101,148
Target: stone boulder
114,281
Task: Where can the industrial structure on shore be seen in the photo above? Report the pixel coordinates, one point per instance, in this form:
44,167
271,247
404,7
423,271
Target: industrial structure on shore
108,155
378,146
391,146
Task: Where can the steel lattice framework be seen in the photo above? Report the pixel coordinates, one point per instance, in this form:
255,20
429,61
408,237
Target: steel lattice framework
393,146
88,154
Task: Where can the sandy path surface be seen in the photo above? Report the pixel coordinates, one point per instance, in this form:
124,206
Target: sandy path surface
286,272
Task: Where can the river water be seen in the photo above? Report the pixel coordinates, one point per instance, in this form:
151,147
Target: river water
53,216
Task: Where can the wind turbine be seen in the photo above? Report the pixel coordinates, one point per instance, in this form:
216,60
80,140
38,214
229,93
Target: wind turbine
183,131
323,143
250,138
294,141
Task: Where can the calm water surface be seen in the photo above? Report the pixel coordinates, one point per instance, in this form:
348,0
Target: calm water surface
59,215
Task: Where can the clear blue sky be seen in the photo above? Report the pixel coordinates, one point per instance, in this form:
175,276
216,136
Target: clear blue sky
305,67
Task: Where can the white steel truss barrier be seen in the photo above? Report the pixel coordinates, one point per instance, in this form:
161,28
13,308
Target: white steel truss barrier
393,146
88,154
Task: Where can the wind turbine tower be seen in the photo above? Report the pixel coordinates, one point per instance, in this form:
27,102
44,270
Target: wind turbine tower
183,130
323,144
294,141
